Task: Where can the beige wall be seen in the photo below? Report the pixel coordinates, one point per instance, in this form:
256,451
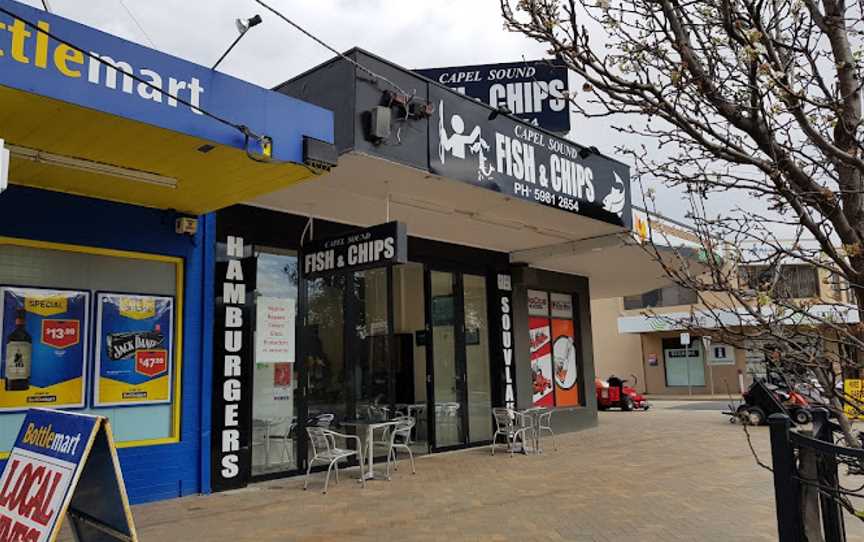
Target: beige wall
614,353
624,354
725,377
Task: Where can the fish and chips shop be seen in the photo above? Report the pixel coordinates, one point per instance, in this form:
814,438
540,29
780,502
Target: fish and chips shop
444,268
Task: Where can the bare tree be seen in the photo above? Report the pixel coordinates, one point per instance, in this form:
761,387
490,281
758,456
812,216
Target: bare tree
746,100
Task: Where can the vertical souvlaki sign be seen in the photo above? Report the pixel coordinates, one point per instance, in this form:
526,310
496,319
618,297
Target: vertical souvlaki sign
232,391
505,296
517,159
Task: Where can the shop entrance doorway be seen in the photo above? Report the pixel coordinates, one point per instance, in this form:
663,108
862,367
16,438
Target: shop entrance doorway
457,346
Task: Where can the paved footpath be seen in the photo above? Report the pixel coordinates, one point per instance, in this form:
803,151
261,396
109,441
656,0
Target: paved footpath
663,475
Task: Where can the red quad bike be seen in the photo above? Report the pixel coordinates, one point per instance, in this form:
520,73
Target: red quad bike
615,394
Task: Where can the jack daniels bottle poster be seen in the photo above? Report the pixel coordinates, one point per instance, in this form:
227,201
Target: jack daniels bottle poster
135,351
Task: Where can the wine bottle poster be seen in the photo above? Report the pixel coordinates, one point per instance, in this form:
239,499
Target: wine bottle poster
43,348
135,350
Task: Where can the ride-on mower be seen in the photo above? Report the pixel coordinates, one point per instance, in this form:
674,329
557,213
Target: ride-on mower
615,394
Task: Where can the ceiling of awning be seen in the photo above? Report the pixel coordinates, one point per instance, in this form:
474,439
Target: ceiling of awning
204,181
358,191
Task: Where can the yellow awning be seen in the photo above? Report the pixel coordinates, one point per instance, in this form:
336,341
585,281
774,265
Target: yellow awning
67,148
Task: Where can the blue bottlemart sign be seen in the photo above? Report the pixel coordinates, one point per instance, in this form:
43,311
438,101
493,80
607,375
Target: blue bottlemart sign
91,70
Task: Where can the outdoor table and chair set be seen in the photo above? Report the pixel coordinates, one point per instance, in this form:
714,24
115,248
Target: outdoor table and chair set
520,429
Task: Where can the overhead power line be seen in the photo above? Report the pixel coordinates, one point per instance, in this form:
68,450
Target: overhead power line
138,24
321,42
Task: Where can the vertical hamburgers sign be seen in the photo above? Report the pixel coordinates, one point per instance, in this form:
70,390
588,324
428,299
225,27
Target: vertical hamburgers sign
232,398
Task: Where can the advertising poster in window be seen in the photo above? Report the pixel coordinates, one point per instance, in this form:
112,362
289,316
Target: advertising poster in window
564,363
541,361
43,348
274,336
135,349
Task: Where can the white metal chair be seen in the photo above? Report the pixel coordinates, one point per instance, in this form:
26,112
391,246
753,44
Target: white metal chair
513,426
400,438
544,423
324,450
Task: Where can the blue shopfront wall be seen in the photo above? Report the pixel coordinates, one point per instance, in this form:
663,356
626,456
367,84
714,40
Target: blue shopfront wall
157,471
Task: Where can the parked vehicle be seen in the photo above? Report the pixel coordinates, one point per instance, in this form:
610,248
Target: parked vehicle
763,399
614,393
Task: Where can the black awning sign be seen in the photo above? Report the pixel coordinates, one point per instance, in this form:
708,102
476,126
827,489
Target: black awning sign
510,157
377,246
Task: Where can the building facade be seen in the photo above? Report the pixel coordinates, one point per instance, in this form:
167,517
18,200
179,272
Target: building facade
640,335
164,266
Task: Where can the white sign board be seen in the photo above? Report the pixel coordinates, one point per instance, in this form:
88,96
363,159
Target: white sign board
685,339
274,336
4,167
538,303
721,354
562,306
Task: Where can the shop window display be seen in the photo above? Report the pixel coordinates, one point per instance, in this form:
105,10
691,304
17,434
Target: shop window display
49,314
554,362
274,422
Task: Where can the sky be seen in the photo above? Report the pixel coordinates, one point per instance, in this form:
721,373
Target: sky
412,34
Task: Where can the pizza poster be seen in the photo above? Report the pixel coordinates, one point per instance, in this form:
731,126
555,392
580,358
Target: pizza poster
135,351
541,361
43,348
564,363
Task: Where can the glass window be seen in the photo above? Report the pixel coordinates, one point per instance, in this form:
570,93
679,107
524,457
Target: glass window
794,281
76,268
323,349
370,344
670,296
477,358
555,363
274,380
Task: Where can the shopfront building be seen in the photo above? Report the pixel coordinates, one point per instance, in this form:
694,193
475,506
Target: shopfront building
507,230
106,254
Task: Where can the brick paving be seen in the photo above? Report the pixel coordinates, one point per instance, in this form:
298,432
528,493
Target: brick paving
662,475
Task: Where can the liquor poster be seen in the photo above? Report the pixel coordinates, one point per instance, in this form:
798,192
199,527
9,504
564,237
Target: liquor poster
135,351
541,361
43,348
564,360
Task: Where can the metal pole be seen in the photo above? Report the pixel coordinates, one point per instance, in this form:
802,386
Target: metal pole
826,469
786,490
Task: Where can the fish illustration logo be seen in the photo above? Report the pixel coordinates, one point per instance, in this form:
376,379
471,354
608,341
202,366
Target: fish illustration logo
616,199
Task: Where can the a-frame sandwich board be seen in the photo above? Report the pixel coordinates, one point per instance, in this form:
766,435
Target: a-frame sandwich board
64,465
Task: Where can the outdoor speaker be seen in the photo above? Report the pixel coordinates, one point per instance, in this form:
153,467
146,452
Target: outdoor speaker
319,154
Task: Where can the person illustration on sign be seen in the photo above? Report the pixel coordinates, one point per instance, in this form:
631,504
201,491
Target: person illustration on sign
458,144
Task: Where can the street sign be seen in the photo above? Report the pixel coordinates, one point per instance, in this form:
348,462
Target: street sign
685,339
64,464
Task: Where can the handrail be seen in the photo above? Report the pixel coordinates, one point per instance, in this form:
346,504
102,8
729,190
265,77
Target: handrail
824,447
